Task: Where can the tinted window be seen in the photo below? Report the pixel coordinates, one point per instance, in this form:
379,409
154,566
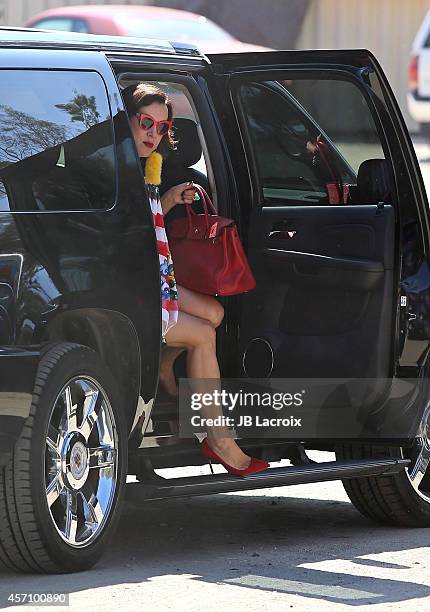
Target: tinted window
340,109
56,144
308,138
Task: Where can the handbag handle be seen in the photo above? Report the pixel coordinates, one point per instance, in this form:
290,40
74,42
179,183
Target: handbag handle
207,203
206,200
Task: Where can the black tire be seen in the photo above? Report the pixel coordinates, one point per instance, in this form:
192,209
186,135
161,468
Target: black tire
29,538
389,500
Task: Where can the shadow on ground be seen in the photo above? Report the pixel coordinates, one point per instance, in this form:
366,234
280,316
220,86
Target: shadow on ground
257,542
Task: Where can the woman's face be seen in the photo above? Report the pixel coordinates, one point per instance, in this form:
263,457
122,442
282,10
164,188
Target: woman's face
148,140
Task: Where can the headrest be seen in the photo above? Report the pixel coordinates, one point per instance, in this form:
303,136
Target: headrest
374,182
188,148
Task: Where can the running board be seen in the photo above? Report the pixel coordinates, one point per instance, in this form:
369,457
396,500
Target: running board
161,488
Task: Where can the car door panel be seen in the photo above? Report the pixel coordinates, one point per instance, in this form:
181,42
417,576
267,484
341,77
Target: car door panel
320,270
319,296
299,304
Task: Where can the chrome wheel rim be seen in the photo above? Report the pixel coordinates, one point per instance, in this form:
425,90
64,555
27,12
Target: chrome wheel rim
81,461
418,471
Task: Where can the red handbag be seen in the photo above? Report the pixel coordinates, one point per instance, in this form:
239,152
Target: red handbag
208,255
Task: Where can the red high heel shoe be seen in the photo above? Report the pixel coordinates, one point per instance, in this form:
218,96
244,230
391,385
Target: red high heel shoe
256,465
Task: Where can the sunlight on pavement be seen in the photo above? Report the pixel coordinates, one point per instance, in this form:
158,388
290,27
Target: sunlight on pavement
334,591
385,565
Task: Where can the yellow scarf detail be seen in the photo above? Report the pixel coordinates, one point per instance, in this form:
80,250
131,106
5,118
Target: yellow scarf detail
153,168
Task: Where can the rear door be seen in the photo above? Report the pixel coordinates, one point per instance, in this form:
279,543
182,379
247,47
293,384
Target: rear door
327,182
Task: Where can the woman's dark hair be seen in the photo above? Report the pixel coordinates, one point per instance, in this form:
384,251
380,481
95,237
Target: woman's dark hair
144,94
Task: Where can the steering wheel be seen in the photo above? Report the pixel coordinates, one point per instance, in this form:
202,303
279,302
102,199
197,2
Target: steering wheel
294,145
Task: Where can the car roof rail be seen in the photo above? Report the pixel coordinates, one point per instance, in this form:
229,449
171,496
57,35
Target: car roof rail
24,37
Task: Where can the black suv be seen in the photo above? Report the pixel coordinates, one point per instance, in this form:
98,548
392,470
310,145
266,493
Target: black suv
307,151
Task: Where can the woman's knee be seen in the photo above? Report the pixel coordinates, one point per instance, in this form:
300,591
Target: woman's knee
200,305
191,332
219,314
205,335
215,313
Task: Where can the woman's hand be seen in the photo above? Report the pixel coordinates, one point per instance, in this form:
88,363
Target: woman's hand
187,192
184,193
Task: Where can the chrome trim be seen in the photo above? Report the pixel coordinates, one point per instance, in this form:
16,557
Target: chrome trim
142,415
271,351
420,458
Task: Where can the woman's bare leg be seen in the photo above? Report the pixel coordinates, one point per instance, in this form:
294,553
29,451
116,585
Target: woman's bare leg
198,337
196,304
167,374
200,305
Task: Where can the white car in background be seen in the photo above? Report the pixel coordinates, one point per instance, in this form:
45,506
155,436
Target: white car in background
419,77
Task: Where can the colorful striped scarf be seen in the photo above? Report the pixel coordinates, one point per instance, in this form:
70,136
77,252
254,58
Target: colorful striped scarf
169,293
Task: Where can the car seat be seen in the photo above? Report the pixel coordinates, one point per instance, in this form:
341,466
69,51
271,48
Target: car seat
177,166
374,182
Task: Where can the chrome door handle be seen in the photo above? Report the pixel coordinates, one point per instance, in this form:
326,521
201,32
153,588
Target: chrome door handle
283,234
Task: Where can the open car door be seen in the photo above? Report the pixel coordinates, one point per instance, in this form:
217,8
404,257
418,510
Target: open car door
333,211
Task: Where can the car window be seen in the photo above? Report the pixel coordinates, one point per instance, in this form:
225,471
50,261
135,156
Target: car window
63,24
308,139
192,137
56,141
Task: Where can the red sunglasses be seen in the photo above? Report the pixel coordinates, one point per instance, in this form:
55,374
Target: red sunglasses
147,121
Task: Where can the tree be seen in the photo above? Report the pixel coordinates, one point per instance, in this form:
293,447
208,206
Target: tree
22,135
82,108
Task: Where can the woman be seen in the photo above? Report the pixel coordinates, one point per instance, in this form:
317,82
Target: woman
189,318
